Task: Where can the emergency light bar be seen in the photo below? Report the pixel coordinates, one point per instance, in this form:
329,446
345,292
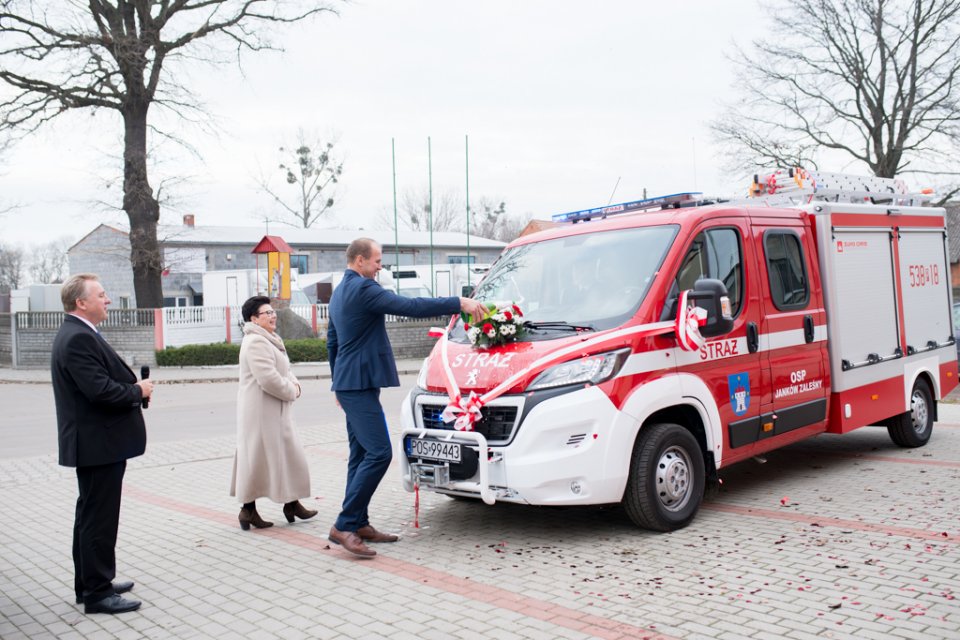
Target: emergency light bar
672,201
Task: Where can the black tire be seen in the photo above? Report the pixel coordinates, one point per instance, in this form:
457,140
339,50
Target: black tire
666,480
914,427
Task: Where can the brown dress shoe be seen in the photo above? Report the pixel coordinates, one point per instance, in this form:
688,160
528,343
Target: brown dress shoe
351,542
369,534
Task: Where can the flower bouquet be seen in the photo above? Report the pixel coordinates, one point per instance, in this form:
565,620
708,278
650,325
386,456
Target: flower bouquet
502,323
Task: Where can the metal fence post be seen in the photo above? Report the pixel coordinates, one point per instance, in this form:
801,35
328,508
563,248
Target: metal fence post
14,360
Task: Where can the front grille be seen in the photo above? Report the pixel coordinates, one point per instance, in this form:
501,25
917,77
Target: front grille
497,422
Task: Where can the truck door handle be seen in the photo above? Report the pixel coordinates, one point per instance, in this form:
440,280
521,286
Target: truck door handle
753,337
808,328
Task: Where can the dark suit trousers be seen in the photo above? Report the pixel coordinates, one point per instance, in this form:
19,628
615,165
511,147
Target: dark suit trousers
370,454
95,529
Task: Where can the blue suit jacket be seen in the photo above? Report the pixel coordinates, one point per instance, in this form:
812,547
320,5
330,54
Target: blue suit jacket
357,344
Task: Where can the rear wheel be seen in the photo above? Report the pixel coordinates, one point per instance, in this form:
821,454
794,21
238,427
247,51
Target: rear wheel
914,427
666,480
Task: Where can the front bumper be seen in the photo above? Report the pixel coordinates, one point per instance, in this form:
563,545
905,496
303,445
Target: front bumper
567,450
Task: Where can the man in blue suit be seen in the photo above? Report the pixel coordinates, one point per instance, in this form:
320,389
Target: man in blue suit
361,362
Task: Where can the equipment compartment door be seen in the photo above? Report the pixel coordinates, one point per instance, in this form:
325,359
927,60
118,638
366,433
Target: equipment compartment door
925,279
866,314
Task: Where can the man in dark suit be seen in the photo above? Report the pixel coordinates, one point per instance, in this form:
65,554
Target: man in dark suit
100,425
361,362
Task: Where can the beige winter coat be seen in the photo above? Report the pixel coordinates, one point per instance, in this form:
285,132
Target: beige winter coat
269,461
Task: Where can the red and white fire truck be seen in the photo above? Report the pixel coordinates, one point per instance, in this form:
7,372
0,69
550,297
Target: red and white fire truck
820,304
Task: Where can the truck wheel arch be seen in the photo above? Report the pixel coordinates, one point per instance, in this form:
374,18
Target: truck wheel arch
679,390
928,371
682,399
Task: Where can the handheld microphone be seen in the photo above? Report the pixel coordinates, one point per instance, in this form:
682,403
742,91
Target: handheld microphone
144,374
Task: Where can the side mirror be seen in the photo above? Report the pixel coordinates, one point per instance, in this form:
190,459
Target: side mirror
467,290
711,295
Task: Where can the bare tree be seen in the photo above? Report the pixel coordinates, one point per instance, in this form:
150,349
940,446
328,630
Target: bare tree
413,211
875,80
11,267
48,262
488,218
123,55
314,171
491,220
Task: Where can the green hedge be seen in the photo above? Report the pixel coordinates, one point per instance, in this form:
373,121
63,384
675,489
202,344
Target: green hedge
306,349
196,355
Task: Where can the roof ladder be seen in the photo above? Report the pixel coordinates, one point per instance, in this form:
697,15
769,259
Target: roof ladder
800,186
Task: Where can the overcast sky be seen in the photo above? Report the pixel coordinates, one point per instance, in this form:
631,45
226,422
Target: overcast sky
560,100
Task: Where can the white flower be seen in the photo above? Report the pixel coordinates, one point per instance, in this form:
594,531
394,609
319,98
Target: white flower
499,317
492,333
473,333
504,330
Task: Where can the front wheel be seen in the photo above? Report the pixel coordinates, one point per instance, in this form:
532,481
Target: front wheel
666,480
914,427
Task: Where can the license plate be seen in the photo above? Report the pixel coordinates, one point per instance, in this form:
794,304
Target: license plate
433,449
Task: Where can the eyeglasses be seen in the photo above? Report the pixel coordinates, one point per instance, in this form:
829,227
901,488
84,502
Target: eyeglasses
269,312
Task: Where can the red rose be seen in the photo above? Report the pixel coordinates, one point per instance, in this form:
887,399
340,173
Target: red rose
517,311
508,315
487,327
466,326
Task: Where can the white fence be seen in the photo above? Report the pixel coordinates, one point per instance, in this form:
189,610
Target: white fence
115,318
180,326
207,325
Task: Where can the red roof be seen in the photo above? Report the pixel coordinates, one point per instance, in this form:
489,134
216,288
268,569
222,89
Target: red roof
272,243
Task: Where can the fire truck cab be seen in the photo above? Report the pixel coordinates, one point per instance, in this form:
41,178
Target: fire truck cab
827,308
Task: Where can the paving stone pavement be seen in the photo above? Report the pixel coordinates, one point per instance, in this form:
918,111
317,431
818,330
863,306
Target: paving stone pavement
836,537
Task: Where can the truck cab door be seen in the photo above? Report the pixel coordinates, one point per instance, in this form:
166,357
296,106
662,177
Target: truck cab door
728,365
793,336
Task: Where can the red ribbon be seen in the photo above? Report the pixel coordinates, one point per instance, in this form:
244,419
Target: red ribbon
465,412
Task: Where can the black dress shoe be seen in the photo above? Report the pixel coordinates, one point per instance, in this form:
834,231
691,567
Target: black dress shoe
112,604
118,587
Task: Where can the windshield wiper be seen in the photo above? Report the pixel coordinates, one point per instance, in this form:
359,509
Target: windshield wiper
558,324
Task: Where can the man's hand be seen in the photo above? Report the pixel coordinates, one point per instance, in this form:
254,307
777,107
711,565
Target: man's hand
146,388
474,307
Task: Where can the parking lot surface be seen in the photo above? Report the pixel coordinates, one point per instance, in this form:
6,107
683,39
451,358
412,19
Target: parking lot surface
836,537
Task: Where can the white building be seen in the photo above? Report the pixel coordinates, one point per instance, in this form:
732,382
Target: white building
189,251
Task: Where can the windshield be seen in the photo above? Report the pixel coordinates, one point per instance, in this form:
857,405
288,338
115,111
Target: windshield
594,280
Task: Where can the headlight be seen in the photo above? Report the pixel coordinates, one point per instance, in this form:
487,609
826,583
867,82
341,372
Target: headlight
422,376
593,369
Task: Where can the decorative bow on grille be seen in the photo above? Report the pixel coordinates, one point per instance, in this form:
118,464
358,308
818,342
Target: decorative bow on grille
464,413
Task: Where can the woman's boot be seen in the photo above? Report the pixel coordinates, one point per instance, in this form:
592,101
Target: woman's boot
249,516
294,508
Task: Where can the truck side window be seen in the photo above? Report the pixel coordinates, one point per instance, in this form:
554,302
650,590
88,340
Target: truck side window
785,266
714,253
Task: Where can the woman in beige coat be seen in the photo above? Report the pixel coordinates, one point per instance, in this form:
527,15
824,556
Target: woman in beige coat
270,461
